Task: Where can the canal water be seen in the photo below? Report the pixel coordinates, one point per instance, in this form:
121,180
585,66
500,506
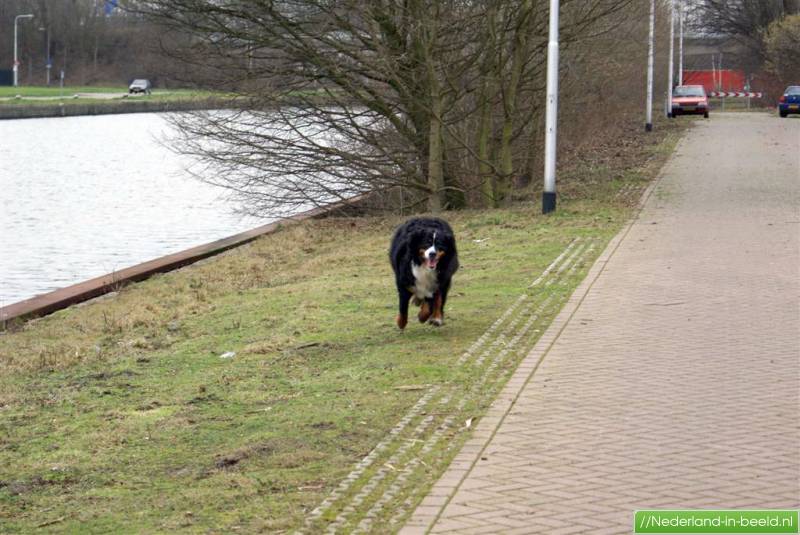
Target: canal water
85,196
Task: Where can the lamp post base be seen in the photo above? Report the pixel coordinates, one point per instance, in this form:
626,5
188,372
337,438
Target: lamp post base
548,202
648,127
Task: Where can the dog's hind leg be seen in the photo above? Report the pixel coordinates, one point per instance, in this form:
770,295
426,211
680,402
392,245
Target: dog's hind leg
402,317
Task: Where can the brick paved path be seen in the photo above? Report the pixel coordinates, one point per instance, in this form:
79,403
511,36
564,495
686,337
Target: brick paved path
672,377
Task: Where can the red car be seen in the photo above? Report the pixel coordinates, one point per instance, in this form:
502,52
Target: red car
689,100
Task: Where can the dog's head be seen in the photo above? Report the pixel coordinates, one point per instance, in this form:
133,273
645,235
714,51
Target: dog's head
431,247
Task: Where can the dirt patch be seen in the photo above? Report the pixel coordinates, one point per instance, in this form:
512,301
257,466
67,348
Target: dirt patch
103,377
27,486
149,406
277,452
321,426
229,460
296,458
206,398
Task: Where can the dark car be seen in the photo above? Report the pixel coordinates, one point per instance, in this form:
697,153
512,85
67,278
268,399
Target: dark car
790,101
689,100
139,86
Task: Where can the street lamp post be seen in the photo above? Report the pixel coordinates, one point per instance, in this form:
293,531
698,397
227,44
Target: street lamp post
671,53
648,126
681,9
551,114
16,61
48,63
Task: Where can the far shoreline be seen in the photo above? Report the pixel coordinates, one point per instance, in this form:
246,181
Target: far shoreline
73,109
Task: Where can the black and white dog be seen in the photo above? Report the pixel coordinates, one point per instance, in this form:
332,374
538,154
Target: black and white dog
424,258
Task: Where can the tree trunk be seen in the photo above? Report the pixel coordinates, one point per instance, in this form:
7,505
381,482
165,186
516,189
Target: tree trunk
484,167
485,126
436,201
455,197
435,164
518,54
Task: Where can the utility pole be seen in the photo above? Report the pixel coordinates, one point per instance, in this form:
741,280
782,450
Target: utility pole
551,114
714,72
16,61
648,127
49,64
721,82
681,8
671,54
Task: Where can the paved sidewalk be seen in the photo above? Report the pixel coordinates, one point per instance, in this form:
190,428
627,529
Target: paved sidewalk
672,377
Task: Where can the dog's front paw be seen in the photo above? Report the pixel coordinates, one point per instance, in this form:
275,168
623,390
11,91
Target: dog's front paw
402,321
436,322
424,313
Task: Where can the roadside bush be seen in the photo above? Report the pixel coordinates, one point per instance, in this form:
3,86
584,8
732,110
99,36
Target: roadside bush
782,45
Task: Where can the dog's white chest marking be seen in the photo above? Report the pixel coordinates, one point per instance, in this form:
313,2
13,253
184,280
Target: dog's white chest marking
425,283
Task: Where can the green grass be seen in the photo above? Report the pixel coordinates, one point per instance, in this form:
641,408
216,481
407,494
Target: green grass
120,415
54,90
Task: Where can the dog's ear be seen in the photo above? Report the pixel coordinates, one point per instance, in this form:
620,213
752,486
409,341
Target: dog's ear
414,240
449,240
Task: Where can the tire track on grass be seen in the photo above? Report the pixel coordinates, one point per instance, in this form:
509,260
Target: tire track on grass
436,438
367,461
445,426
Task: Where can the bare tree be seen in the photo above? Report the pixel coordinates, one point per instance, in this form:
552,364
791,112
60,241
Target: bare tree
361,93
782,44
745,21
437,99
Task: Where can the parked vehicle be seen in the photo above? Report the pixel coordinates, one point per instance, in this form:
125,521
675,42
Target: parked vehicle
689,100
790,101
139,86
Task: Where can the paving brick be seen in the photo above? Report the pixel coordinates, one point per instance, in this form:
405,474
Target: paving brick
412,530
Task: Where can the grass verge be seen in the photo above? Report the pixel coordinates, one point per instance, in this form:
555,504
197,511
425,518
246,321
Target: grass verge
121,415
55,90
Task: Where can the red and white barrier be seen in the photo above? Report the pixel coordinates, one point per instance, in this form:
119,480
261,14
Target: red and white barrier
740,94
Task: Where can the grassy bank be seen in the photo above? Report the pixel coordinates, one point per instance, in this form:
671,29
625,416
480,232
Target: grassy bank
32,94
26,91
122,415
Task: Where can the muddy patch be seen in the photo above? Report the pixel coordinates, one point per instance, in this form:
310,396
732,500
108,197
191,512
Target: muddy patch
228,460
36,483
